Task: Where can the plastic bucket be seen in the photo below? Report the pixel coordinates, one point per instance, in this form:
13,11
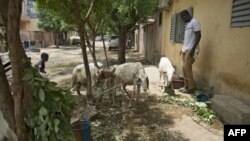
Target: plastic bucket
82,130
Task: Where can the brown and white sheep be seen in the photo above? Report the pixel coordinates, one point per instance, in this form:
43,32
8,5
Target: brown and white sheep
79,77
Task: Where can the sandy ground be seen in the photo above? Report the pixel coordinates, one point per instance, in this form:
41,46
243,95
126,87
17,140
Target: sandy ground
147,120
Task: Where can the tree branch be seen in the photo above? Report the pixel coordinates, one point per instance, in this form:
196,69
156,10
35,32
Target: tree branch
90,25
90,9
98,25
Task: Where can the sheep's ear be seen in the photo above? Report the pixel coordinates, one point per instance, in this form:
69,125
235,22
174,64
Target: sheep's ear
138,78
112,69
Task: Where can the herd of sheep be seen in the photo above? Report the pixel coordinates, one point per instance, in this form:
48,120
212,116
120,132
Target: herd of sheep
124,74
132,73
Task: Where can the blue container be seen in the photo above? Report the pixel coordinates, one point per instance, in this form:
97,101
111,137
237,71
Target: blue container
202,97
26,44
82,130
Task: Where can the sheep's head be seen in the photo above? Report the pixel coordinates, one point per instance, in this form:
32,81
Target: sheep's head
103,73
143,80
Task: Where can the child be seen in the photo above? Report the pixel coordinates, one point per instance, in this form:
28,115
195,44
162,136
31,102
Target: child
41,64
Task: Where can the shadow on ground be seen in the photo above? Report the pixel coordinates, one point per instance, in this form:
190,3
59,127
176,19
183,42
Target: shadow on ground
146,121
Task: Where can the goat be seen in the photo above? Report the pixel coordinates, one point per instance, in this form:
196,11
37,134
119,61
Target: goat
79,76
166,71
6,134
131,74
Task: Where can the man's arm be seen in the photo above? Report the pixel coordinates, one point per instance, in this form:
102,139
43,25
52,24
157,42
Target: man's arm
197,40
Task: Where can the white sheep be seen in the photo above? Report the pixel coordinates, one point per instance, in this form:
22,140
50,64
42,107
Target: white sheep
166,71
6,134
79,76
131,74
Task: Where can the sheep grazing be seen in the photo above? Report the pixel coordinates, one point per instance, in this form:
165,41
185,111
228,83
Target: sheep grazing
6,134
166,71
108,84
131,74
79,76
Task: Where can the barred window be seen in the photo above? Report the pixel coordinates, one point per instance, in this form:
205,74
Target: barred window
240,13
177,27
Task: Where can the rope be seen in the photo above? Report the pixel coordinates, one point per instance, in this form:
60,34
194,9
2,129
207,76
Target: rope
114,87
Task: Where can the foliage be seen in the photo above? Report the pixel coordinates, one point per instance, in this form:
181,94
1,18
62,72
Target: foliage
64,8
207,114
126,13
51,110
50,21
200,108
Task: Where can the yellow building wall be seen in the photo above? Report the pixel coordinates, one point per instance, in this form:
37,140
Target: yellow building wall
224,60
30,25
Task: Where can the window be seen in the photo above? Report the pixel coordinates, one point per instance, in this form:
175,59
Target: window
177,27
240,13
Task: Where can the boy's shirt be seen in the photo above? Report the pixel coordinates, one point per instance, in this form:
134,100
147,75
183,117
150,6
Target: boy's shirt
41,66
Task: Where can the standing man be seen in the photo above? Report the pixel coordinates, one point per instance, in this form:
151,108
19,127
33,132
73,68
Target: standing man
191,40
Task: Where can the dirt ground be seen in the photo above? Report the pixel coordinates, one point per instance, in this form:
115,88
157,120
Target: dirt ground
147,120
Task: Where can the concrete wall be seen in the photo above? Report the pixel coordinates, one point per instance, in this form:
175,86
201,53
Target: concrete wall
153,40
29,25
224,60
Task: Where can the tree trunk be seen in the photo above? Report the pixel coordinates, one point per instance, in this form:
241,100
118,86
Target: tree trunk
56,41
6,101
80,25
92,49
66,38
105,52
17,54
122,46
4,15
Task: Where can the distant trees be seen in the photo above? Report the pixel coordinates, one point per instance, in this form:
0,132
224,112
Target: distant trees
125,14
74,12
51,22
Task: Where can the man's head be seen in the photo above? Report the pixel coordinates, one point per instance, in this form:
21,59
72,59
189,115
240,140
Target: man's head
185,16
44,57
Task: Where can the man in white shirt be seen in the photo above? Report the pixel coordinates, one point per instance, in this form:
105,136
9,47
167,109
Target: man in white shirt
191,40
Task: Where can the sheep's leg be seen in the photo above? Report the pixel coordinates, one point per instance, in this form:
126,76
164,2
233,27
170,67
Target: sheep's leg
172,86
78,88
160,79
138,92
166,83
124,89
163,84
110,98
131,98
73,82
100,99
113,96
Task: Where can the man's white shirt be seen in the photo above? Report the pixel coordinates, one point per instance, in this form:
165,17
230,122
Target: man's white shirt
189,36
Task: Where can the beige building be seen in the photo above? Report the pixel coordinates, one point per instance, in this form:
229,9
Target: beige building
223,63
29,30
